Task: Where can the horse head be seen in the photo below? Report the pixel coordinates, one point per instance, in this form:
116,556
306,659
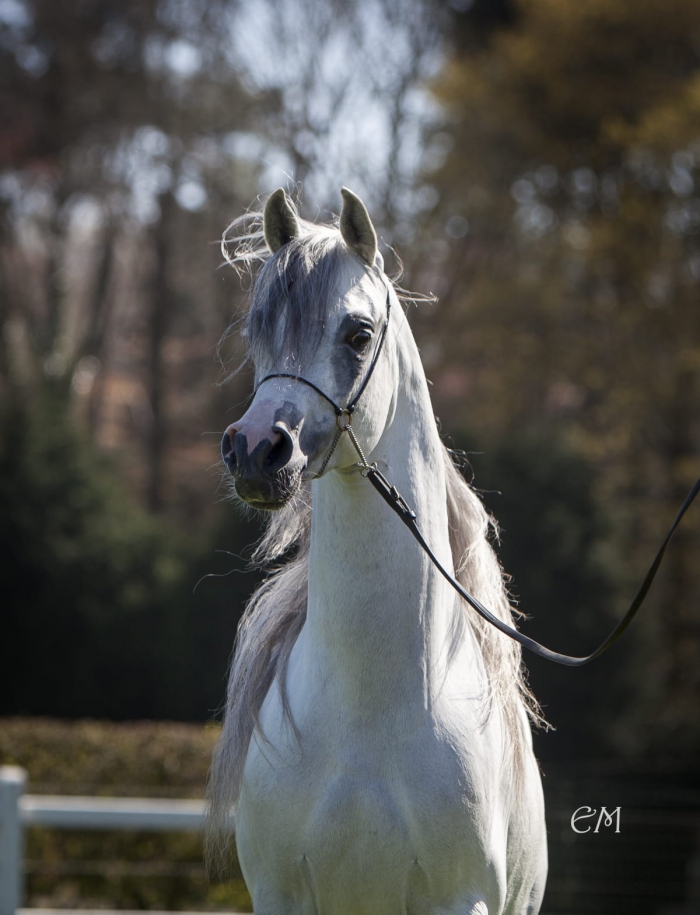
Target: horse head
315,326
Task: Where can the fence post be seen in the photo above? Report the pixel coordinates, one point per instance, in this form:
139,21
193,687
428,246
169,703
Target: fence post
12,782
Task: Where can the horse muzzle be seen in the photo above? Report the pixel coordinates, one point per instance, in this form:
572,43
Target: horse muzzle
265,461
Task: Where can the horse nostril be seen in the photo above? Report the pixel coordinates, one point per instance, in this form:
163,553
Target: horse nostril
251,451
281,451
227,452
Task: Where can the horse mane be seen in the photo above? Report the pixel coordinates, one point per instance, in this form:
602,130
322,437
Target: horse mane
276,612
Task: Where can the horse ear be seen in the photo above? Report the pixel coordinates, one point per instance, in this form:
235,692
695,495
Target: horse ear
356,227
280,223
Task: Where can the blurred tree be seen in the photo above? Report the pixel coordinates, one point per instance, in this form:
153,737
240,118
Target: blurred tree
142,128
132,133
351,79
86,578
125,108
565,247
99,615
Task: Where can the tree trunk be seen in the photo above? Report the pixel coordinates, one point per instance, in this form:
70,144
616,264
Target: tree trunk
157,330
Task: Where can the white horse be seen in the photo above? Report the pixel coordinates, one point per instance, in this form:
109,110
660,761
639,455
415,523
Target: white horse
376,748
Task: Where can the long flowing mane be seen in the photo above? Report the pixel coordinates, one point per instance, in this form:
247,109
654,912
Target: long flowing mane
276,612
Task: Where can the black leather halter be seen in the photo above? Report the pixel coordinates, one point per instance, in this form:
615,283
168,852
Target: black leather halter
349,409
397,503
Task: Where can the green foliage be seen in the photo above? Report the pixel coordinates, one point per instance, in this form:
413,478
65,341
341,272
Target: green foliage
565,247
79,868
95,757
82,569
99,618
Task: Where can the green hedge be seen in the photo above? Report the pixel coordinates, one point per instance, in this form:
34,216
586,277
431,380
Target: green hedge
127,870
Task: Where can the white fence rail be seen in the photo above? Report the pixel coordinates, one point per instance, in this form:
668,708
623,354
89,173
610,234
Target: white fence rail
18,810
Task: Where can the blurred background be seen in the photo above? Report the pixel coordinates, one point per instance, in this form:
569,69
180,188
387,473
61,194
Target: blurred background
535,165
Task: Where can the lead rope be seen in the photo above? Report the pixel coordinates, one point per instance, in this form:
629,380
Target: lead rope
398,504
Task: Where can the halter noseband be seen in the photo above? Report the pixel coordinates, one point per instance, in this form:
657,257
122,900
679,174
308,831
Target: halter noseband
349,408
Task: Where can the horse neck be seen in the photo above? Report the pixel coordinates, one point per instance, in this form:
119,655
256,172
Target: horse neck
378,613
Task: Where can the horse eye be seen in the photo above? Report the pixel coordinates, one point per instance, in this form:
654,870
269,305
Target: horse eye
359,340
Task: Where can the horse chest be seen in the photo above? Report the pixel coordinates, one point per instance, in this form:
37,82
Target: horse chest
359,817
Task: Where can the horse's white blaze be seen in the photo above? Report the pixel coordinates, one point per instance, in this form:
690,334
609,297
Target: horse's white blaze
398,794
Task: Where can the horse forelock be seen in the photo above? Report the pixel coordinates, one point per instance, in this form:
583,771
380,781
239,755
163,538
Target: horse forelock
293,290
293,296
